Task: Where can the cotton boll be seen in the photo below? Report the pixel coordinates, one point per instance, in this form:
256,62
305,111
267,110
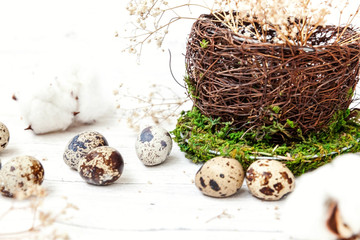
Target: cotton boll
92,102
304,214
47,117
345,190
308,210
61,97
50,106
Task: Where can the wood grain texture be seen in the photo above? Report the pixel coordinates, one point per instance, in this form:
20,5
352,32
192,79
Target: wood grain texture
160,201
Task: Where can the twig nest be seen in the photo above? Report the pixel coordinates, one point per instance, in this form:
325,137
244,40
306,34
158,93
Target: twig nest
269,179
101,166
20,175
4,136
80,145
224,89
153,145
220,177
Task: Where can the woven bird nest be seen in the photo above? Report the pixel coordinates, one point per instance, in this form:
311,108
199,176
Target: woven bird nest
252,84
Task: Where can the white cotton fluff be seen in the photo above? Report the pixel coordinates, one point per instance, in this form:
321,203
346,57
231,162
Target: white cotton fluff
307,208
56,98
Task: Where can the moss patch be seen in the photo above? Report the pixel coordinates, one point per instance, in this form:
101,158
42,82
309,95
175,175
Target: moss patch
203,138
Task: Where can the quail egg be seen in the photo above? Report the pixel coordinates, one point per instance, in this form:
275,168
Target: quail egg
80,145
19,175
153,145
220,177
269,179
4,136
101,166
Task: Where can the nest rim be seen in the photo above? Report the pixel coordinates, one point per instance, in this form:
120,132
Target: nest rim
324,42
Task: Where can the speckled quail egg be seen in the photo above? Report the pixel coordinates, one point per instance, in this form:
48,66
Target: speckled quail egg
4,136
80,145
153,145
269,179
220,177
19,175
101,166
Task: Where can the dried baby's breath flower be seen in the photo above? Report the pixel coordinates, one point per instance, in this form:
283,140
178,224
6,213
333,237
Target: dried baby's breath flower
153,18
156,104
34,190
42,226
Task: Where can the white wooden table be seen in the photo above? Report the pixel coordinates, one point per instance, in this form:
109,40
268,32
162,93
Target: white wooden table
149,202
160,202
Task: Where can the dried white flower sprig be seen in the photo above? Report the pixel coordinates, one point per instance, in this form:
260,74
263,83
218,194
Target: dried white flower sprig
294,21
158,104
153,18
43,222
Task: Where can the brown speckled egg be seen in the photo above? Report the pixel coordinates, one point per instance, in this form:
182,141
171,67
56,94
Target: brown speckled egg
19,175
153,145
269,179
101,166
80,145
220,177
4,136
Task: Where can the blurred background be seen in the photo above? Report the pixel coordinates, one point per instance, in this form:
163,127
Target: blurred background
42,34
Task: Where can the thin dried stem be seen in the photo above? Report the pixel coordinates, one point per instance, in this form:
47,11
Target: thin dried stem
159,105
350,20
236,14
39,224
351,40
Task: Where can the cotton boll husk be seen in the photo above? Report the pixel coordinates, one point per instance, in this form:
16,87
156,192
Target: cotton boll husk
306,210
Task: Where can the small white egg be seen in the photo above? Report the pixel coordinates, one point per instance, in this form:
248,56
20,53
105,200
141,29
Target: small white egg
4,136
80,145
153,145
269,179
19,175
220,177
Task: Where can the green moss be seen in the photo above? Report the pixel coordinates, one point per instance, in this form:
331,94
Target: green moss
275,109
190,88
290,123
203,138
350,93
204,44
